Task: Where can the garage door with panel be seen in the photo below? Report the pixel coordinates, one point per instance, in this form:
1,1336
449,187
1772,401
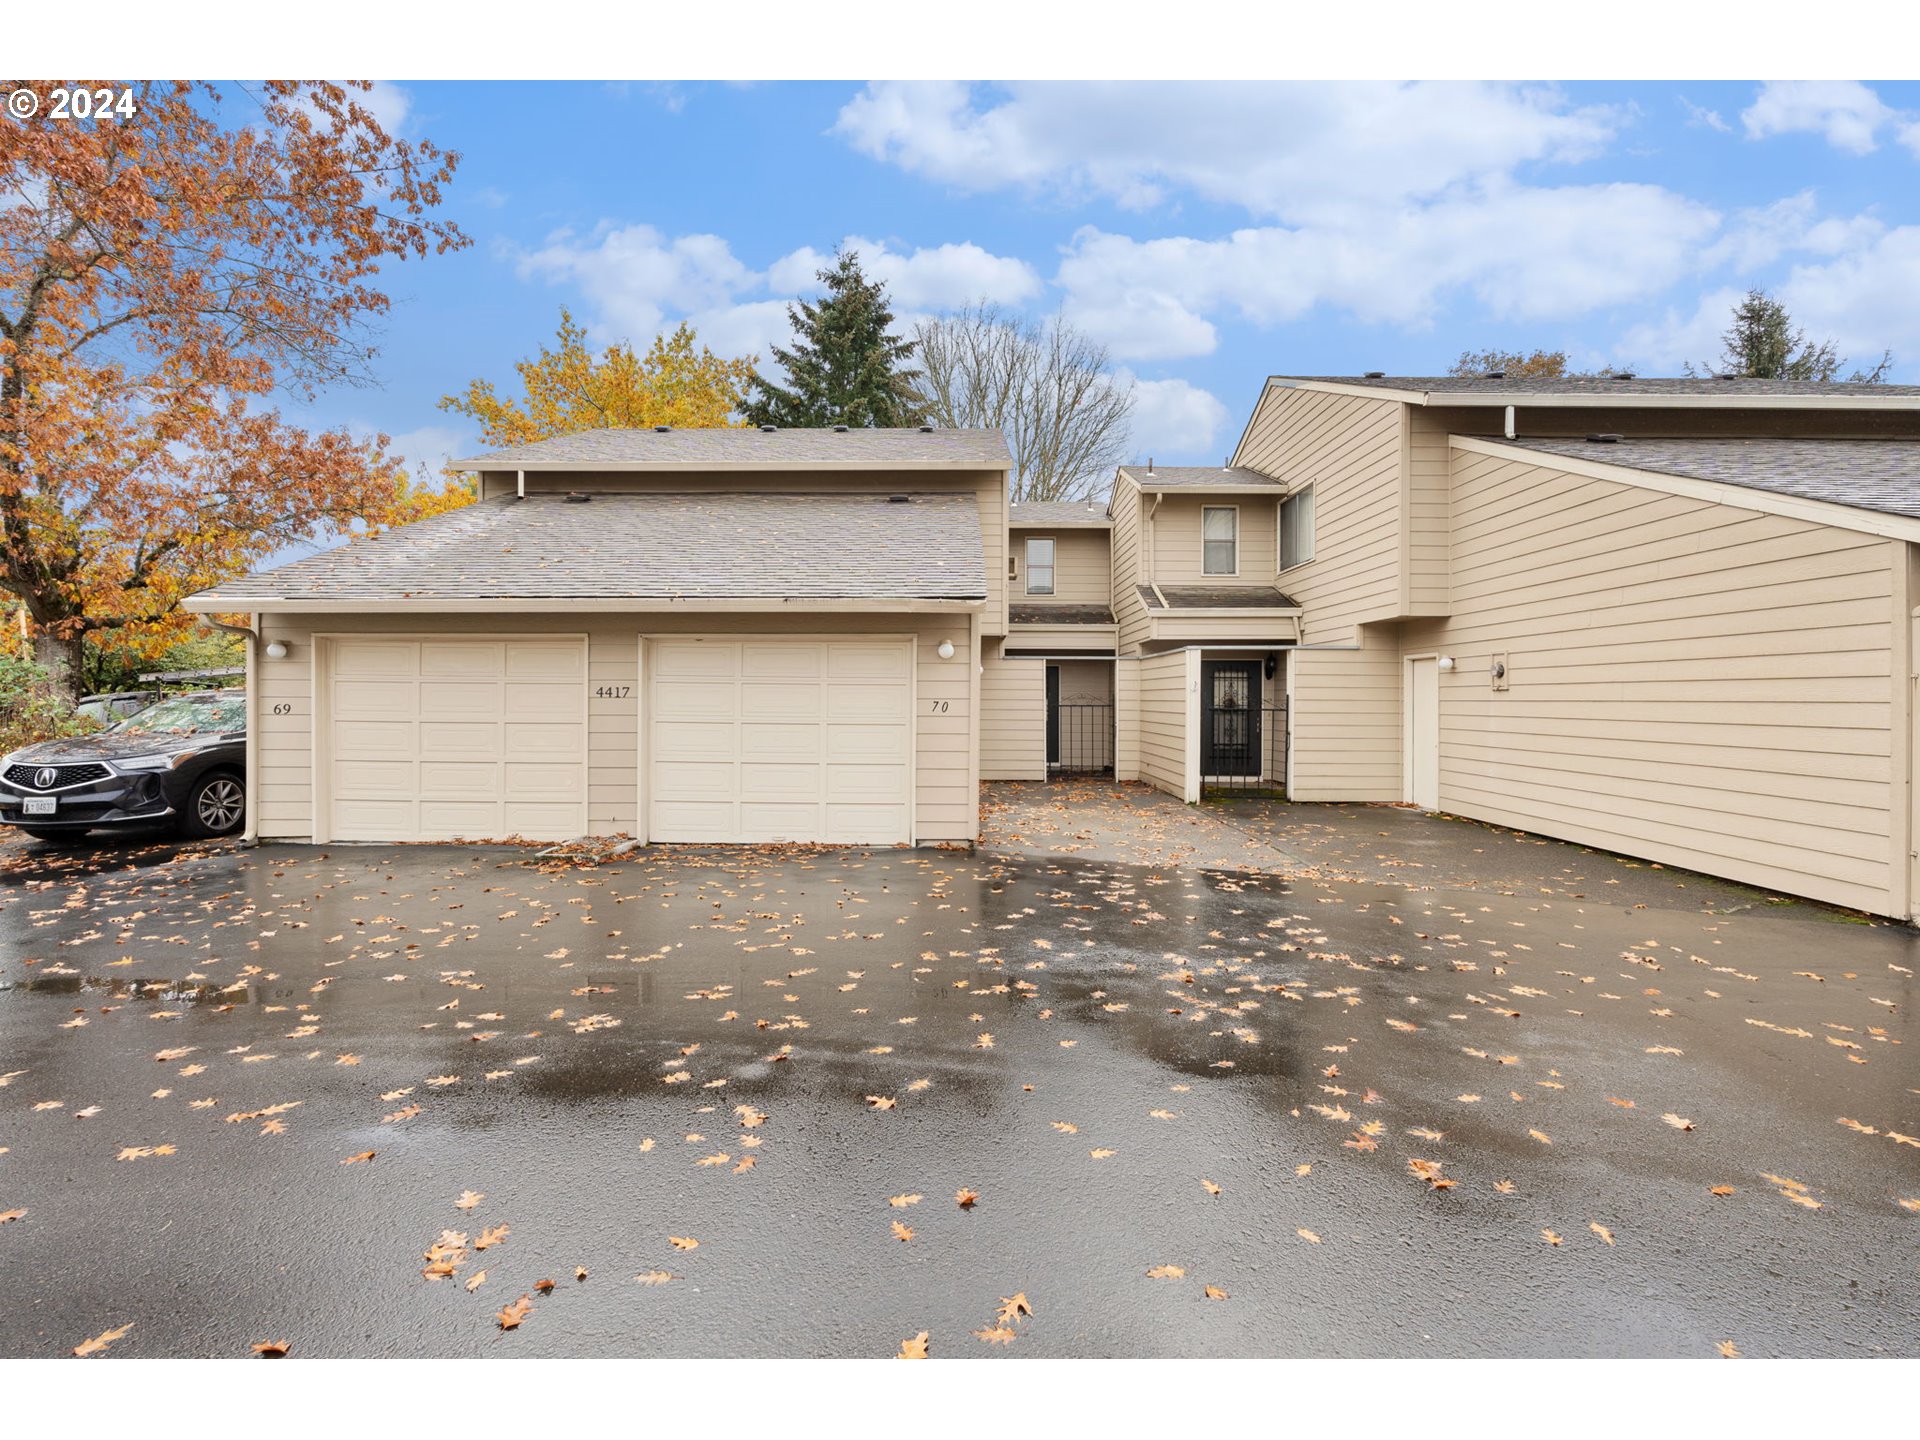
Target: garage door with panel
776,740
457,739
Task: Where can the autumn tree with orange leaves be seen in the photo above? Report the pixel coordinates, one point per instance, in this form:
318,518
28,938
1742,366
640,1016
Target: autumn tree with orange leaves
162,276
568,388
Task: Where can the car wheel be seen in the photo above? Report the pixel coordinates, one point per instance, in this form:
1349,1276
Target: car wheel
54,837
217,805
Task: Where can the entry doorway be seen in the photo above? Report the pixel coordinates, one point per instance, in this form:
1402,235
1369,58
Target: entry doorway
1423,732
1230,709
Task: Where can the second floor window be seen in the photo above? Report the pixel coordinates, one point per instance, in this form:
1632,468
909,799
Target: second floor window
1219,540
1296,529
1039,567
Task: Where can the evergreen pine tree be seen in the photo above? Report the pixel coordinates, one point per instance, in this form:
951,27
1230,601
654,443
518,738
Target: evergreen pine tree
845,367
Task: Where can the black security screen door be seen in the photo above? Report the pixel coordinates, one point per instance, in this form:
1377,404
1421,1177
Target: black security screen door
1230,717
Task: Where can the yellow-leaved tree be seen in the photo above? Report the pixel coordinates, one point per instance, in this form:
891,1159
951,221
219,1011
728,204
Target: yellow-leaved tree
677,382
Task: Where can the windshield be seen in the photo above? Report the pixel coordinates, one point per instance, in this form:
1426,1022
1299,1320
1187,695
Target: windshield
187,715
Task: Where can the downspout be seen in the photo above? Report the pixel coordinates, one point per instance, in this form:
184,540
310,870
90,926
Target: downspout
247,835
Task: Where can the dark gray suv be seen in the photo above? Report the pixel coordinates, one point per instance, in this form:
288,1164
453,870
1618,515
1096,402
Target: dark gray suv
182,762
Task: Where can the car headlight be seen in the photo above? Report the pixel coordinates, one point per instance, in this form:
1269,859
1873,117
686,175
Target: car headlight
167,761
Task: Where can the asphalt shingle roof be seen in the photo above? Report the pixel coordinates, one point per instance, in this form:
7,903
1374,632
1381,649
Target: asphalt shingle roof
1881,475
1020,613
651,547
906,448
1218,597
1610,386
1089,514
1199,475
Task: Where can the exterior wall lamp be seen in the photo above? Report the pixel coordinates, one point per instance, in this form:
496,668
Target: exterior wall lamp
277,650
1446,662
946,650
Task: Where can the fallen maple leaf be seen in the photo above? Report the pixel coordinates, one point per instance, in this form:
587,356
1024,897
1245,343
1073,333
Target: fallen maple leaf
476,1280
492,1236
1676,1121
10,1215
900,1202
545,1287
272,1349
510,1316
468,1199
1014,1308
966,1199
1602,1231
914,1348
1541,1136
1210,1187
654,1277
683,1242
1549,1237
1721,1190
1166,1272
998,1334
101,1341
881,1102
1308,1236
901,1232
1728,1350
361,1158
1102,1154
1214,1292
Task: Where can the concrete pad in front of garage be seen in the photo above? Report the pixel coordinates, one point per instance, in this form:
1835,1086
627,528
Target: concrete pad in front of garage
1375,1119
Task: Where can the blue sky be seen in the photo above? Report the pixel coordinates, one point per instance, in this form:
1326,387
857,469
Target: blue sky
1210,234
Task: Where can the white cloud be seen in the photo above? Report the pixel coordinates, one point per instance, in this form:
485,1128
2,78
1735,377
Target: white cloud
1173,417
935,277
1757,237
1700,115
634,275
1846,112
390,104
1289,150
1520,252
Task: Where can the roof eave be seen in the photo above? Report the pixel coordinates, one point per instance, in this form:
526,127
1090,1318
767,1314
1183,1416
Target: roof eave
212,603
1637,400
488,464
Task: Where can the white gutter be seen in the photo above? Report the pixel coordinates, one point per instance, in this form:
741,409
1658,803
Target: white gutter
637,605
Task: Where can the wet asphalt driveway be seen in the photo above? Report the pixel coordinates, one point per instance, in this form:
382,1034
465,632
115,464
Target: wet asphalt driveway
1203,1113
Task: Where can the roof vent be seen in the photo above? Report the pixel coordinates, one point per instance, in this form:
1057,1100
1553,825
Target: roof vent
1608,439
926,429
840,429
578,497
661,429
768,429
899,499
1625,375
1729,377
1496,375
1149,464
1374,375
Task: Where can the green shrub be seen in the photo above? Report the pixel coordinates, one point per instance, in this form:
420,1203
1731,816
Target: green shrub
32,707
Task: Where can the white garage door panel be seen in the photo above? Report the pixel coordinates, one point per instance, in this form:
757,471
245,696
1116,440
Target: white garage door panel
446,739
756,741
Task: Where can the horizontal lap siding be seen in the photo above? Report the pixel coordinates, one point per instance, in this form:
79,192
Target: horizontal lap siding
945,790
1699,684
1128,609
1083,572
1126,720
1350,450
1429,515
1344,717
1179,557
1013,719
1165,712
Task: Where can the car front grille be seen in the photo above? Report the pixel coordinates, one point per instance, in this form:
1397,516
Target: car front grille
36,777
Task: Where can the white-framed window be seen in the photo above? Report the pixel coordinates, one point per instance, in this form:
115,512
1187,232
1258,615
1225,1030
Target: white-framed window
1296,528
1220,539
1039,565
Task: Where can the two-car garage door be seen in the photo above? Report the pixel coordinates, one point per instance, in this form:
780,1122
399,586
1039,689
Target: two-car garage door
762,741
743,740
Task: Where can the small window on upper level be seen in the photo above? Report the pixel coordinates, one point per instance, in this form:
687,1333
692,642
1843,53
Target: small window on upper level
1296,529
1220,539
1039,566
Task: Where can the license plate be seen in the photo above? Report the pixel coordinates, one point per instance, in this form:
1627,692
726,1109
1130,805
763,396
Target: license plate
41,804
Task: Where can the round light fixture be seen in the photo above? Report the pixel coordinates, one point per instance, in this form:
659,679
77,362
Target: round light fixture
946,650
1446,662
277,650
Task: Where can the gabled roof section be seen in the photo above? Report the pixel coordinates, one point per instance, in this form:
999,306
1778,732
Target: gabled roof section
906,448
1059,515
1215,597
1200,477
1879,475
1677,392
647,547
